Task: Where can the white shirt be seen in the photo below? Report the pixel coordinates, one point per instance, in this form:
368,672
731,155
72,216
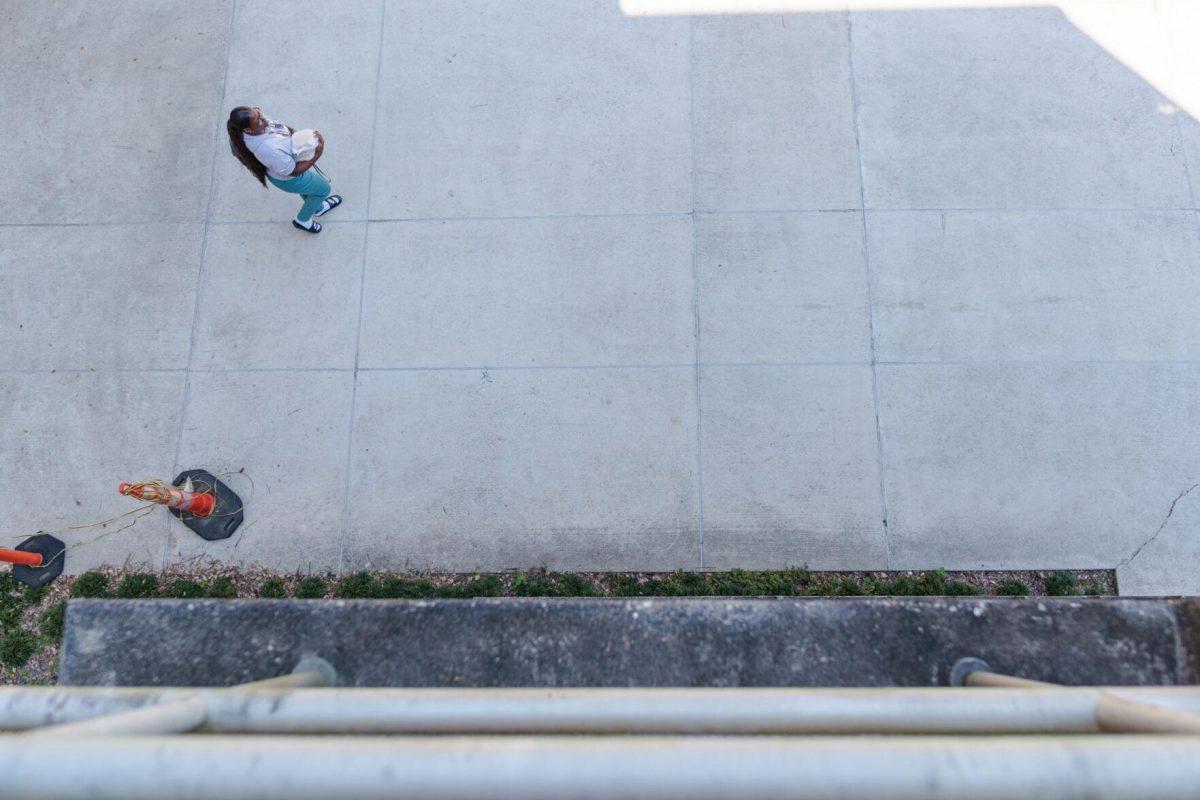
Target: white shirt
273,149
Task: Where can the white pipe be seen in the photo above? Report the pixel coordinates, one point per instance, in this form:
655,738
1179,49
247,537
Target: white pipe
1114,714
591,768
1119,714
176,715
645,711
997,680
300,679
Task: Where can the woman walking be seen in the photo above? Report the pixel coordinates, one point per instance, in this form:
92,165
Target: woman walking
266,148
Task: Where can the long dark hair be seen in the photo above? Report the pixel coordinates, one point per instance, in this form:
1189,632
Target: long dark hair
239,120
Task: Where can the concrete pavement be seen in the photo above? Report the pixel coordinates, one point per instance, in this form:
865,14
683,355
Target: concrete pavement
891,287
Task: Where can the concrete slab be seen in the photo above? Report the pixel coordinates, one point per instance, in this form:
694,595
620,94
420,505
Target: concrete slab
1013,108
1068,465
68,439
791,472
591,469
782,288
272,297
285,430
1164,563
108,109
566,107
1181,24
774,121
534,292
1030,285
334,93
97,297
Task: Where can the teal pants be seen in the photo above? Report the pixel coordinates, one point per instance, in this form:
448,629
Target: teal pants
309,185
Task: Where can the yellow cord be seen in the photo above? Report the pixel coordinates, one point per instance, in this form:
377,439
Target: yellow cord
136,513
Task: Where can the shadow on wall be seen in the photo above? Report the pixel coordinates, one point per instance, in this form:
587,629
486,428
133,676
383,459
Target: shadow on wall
994,105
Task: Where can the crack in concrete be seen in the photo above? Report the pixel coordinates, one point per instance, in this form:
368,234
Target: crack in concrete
1166,519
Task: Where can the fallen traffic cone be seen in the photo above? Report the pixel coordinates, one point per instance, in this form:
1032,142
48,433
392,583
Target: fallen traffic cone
36,561
210,508
200,504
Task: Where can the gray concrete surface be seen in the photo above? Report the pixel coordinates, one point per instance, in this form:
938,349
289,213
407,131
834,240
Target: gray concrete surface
903,287
661,641
571,468
529,292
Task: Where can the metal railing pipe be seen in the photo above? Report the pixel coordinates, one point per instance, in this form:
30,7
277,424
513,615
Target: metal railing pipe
996,680
1114,714
180,714
600,711
1123,715
600,768
177,716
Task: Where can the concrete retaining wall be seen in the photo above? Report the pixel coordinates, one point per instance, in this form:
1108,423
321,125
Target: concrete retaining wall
644,642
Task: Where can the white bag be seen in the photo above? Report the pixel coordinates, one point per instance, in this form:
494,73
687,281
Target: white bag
304,144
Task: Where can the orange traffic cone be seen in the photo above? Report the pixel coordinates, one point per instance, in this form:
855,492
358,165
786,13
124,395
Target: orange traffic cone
214,512
37,560
198,504
21,557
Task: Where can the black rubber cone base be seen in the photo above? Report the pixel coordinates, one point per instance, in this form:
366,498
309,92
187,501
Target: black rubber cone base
54,556
226,517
